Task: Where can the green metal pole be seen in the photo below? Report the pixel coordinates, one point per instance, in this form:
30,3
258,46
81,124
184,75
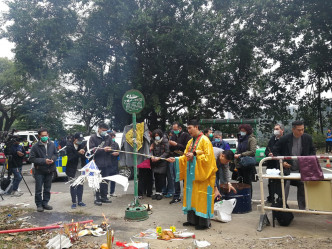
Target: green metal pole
135,159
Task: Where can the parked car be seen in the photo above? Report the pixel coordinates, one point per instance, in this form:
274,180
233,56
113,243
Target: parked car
2,158
260,151
60,164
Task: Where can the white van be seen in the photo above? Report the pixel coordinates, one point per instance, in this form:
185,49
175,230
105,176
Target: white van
30,136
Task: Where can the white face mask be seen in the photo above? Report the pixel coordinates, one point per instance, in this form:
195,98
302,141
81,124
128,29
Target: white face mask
276,132
157,138
243,133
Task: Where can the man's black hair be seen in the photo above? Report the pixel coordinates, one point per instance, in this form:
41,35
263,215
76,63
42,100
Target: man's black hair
177,123
103,126
193,122
297,123
42,130
206,130
229,155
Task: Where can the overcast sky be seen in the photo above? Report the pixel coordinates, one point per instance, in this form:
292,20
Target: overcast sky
5,45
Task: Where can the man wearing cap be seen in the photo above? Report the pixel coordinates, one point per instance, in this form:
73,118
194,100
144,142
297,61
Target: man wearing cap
75,151
102,156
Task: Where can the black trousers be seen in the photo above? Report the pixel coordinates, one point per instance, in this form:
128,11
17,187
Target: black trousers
247,175
328,146
76,193
43,183
160,182
197,220
102,193
144,182
274,187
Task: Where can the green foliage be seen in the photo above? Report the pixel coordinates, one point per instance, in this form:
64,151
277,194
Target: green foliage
76,128
189,59
319,140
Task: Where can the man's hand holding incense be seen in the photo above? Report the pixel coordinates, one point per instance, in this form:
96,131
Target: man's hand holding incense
190,156
170,159
107,149
155,159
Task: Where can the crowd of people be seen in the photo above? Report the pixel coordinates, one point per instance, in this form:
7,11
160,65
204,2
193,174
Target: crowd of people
199,159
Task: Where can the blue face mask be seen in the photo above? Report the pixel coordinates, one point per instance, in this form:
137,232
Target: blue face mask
103,133
157,138
217,140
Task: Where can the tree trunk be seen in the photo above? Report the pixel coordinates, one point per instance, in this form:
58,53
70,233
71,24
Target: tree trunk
1,122
319,103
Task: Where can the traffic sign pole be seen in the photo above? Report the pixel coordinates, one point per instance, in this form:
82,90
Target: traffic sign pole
135,158
133,102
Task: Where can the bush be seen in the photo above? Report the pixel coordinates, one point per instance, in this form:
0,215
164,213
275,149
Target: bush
319,140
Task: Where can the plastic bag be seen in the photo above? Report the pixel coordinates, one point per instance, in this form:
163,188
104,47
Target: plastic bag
223,210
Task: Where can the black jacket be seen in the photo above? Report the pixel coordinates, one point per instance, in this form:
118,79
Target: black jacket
16,161
73,158
284,147
181,139
114,169
38,156
271,164
160,150
103,159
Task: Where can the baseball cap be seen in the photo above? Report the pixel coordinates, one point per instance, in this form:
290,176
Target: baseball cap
79,136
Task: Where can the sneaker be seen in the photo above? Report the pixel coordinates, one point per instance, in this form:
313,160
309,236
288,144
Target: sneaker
159,197
140,197
154,197
16,194
73,206
113,195
168,195
98,203
81,204
40,209
175,200
47,207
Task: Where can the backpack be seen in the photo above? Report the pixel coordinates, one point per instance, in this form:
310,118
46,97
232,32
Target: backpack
6,186
283,218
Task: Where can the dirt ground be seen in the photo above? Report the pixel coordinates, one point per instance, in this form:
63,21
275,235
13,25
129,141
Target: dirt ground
306,231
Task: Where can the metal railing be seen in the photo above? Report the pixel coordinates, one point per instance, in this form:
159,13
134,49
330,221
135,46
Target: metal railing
282,177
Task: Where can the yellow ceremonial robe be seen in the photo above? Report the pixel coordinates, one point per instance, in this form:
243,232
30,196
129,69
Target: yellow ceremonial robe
199,178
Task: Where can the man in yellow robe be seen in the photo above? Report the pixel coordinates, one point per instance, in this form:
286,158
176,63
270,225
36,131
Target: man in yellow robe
197,167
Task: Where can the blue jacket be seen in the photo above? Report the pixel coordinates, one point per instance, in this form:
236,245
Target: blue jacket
221,145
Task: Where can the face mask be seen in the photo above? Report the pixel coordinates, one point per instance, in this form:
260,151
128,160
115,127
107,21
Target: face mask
243,133
157,138
210,135
44,139
79,142
276,132
176,132
113,139
217,140
103,133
